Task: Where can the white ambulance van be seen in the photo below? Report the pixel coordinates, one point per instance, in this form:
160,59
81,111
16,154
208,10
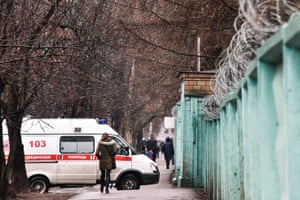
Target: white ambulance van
62,152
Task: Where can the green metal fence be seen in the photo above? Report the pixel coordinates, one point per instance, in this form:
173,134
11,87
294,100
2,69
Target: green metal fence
252,150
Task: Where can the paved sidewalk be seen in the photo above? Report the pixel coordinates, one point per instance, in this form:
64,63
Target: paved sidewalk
164,190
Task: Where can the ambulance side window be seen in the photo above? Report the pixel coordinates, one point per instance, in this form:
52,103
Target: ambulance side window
77,144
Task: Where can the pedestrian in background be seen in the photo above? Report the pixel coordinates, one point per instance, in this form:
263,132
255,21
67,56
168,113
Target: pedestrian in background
161,146
144,146
152,145
168,151
172,159
149,154
106,149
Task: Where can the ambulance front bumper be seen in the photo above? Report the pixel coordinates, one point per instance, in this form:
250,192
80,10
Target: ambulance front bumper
151,178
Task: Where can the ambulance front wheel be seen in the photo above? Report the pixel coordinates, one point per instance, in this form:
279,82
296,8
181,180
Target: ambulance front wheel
129,182
39,184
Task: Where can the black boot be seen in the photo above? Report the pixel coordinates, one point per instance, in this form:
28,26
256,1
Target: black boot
102,184
102,188
107,184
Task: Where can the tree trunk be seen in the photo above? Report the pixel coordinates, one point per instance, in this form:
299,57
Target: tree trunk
3,175
16,171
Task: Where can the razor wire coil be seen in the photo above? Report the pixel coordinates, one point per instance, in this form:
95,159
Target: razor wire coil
256,21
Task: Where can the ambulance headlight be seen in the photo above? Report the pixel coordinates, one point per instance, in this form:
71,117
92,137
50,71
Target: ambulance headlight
154,167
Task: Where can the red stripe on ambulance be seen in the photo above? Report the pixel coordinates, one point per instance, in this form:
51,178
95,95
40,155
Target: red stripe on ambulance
41,157
77,157
123,158
55,157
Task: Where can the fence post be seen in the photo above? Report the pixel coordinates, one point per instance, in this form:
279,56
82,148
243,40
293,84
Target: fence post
194,86
291,53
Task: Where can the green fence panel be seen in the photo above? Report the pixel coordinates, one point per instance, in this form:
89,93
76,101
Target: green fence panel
268,130
178,144
188,141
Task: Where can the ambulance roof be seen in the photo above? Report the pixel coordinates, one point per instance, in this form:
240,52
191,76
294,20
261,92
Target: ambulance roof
63,126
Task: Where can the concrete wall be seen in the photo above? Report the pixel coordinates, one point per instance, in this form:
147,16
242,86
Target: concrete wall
252,150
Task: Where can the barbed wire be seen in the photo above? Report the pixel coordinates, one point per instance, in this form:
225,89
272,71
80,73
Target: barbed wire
256,21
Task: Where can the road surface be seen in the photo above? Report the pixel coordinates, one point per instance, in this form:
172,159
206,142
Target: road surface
164,190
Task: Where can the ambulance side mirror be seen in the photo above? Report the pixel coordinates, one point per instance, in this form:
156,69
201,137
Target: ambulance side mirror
125,151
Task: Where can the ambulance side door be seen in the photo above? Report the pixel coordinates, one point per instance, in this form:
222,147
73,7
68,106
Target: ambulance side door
77,163
123,158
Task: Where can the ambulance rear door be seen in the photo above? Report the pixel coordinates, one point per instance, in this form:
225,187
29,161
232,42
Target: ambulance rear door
41,155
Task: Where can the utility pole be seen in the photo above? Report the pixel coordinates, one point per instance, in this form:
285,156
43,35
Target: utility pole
198,54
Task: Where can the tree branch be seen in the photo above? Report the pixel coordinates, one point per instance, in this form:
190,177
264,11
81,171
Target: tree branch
161,47
229,7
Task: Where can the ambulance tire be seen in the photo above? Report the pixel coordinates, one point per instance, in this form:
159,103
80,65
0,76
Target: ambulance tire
129,182
39,184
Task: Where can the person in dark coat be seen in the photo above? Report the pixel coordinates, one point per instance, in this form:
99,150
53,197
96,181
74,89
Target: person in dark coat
152,146
106,149
161,146
168,151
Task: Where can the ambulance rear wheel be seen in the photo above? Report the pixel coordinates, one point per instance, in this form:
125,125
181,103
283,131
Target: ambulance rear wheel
129,182
39,184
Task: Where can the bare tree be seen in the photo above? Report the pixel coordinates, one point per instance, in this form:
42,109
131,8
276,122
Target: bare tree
126,56
115,59
162,35
24,64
